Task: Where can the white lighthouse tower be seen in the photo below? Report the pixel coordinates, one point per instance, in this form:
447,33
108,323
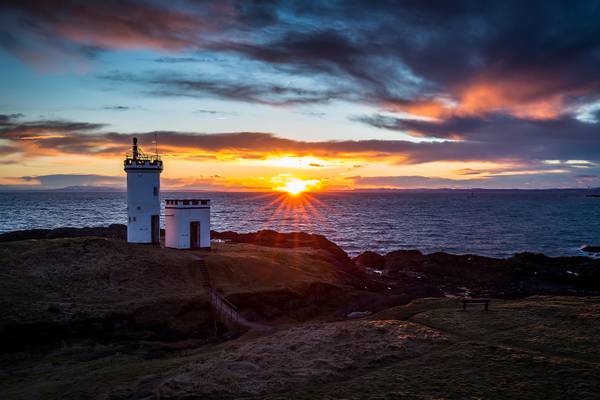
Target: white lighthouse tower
143,202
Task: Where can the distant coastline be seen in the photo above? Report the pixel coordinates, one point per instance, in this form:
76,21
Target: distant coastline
111,189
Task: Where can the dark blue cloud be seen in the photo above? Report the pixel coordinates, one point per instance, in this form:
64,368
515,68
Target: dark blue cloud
117,108
267,92
56,181
502,136
390,51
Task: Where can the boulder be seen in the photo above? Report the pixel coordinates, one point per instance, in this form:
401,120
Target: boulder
358,314
403,259
370,259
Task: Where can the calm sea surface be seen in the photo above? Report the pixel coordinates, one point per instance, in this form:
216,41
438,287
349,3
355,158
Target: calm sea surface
494,223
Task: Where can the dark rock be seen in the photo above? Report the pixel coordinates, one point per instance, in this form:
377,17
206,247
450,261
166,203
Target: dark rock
414,274
370,259
113,231
404,259
591,249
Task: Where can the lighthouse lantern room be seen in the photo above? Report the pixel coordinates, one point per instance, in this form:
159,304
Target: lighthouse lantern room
143,201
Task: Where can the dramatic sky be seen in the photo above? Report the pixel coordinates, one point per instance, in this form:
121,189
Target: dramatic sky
245,95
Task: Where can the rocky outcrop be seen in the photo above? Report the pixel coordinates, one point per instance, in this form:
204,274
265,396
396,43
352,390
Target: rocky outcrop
591,249
522,275
370,259
113,231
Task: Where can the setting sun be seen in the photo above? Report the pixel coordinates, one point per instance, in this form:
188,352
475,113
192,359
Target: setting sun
295,186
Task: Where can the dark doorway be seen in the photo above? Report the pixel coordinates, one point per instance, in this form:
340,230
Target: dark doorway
155,223
194,234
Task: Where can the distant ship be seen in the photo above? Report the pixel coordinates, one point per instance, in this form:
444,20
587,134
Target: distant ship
592,194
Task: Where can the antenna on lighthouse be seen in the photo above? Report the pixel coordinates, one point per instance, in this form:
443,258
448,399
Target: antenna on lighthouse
135,149
156,143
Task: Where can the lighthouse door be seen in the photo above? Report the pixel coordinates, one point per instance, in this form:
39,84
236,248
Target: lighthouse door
194,234
155,226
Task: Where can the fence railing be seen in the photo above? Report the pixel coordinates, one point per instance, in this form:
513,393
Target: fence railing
223,306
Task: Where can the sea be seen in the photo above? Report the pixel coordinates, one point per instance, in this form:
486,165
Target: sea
497,223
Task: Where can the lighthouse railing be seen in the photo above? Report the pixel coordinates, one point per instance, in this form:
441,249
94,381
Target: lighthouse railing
142,157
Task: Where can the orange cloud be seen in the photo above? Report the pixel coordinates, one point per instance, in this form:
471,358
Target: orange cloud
426,108
520,97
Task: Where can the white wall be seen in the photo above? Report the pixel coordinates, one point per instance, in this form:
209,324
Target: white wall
177,226
143,202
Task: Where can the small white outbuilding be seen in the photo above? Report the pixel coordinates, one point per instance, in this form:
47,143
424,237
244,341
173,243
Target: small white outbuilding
187,223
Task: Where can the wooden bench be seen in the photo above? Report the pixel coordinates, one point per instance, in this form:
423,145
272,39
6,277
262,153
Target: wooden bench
485,302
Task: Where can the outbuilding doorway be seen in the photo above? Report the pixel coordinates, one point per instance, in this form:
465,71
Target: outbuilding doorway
194,235
155,228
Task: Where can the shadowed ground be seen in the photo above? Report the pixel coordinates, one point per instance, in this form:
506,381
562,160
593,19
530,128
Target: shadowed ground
525,349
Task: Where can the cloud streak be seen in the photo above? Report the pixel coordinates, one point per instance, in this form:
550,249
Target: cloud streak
56,181
268,93
501,136
58,137
480,140
524,181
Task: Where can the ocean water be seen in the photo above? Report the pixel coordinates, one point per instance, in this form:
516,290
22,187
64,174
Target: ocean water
493,223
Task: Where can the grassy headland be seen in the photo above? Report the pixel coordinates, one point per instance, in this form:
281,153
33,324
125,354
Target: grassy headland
89,317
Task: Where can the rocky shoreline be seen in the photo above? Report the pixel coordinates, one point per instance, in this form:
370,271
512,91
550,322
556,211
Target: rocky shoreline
522,275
